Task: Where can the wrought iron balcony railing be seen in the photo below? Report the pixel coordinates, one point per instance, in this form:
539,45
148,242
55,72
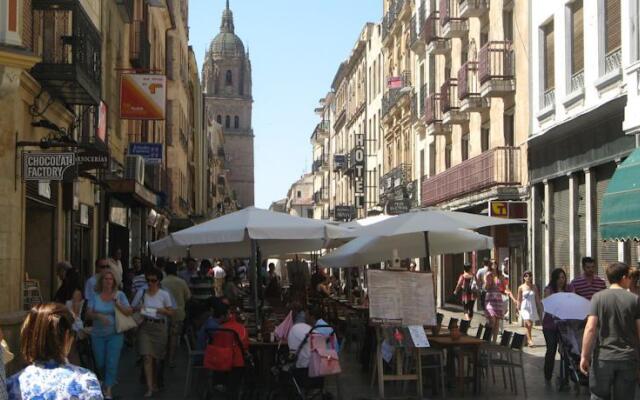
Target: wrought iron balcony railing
449,100
452,23
433,28
69,46
399,86
321,196
319,163
496,62
497,167
613,61
473,8
398,176
433,110
468,85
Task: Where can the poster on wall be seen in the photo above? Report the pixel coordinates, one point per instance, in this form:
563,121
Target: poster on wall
143,96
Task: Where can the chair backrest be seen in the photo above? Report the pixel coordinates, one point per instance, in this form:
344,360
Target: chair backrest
505,338
517,342
464,326
479,331
439,318
453,322
488,332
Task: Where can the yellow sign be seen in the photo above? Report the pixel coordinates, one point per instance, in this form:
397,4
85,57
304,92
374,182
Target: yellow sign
499,209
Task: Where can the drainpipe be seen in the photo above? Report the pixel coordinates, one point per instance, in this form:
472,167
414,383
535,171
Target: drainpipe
166,48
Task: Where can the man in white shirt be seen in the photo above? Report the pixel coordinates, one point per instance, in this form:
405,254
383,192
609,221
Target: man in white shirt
296,336
480,281
219,275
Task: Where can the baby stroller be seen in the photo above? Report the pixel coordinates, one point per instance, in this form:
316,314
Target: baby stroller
295,383
570,345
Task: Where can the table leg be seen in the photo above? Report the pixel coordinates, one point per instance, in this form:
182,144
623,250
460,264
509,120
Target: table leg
476,370
461,370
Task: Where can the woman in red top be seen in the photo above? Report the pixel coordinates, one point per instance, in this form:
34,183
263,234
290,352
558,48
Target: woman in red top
467,285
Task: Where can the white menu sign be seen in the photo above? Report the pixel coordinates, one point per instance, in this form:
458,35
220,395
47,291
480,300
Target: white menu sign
402,295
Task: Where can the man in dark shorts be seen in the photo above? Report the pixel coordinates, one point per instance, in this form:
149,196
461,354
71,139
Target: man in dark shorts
611,339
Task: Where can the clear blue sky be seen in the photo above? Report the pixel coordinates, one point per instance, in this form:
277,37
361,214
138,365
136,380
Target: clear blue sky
295,47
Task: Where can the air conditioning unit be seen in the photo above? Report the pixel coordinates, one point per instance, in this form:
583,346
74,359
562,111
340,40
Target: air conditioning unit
134,169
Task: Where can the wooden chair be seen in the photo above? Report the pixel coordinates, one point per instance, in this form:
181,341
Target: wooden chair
464,326
453,322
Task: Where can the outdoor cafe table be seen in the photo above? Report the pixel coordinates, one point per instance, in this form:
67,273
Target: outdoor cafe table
464,344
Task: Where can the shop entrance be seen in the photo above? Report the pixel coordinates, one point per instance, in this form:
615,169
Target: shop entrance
39,246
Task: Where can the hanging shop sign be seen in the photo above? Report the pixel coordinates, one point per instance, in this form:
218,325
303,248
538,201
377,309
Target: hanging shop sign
344,213
508,209
49,167
359,166
397,207
92,159
143,96
151,152
101,128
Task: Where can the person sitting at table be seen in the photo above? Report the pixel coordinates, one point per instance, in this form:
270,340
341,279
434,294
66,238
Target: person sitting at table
300,348
217,310
335,287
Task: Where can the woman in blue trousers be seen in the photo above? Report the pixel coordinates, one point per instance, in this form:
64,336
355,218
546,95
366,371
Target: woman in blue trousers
106,341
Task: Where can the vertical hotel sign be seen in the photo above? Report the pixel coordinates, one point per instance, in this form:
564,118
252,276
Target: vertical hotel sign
143,96
359,166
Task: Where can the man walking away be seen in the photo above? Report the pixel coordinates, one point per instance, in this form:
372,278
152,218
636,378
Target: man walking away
180,292
610,342
480,282
588,283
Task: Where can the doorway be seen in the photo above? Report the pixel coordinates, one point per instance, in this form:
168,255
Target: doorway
39,246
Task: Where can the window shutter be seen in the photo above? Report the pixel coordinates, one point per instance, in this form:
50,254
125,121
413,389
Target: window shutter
577,37
613,25
169,123
549,57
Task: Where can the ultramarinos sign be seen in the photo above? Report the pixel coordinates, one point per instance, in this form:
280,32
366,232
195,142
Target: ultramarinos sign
49,166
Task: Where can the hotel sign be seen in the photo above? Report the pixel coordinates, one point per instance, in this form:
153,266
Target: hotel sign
49,167
359,170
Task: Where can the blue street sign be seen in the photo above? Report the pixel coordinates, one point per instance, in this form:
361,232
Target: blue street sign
151,152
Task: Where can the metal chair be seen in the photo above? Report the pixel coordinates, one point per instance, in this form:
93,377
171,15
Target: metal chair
479,331
194,360
487,335
453,322
464,326
434,359
496,354
439,319
513,361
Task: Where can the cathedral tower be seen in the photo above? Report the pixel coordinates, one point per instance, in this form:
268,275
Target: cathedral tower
226,75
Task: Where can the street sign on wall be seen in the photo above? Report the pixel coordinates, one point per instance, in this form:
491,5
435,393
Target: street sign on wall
397,207
151,152
143,96
344,213
49,166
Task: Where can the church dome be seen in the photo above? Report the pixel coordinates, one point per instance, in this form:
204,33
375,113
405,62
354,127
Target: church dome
227,43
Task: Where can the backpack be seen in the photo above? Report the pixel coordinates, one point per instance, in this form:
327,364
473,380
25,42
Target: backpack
221,358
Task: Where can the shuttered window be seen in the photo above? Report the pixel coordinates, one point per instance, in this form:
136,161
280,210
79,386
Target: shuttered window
581,223
549,56
560,223
613,25
577,37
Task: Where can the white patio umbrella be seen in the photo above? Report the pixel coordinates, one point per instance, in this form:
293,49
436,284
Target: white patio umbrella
359,223
373,249
431,220
241,233
567,305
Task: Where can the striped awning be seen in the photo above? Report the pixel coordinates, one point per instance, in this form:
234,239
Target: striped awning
620,218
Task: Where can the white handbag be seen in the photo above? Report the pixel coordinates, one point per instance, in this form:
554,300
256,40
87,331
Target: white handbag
124,322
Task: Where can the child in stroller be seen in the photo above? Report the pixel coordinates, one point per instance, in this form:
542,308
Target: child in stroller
570,345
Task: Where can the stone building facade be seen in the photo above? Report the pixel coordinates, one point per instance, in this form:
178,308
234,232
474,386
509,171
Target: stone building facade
226,76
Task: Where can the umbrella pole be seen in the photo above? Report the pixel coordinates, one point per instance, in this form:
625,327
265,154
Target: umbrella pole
427,259
255,280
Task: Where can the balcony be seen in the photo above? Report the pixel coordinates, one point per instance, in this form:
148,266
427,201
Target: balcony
417,27
436,42
399,90
70,48
450,104
397,185
139,46
496,69
321,196
469,87
340,162
452,24
613,62
473,8
320,165
433,115
495,168
320,132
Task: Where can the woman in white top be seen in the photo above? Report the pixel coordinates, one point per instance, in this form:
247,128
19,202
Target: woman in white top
528,303
155,305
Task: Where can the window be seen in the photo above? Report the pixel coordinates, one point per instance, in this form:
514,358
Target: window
577,37
508,128
421,163
227,122
299,194
613,28
236,122
447,156
548,56
507,23
219,119
309,213
229,78
484,138
432,159
464,144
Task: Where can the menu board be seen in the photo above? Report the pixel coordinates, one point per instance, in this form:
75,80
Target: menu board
402,295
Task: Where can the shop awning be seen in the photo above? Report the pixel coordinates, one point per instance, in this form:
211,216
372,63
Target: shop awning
620,219
132,193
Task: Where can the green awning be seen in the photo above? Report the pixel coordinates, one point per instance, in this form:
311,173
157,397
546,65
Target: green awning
620,218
